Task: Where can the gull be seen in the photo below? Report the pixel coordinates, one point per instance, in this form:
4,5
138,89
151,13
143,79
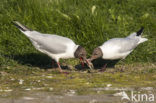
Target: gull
118,48
54,46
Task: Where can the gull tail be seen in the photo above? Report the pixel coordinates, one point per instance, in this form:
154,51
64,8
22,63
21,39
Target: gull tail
140,31
142,40
20,26
139,35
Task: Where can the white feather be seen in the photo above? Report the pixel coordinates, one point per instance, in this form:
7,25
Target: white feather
120,48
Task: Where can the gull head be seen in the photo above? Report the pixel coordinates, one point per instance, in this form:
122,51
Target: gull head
97,53
82,55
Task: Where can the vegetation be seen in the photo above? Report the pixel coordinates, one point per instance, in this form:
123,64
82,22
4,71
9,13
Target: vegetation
23,78
88,23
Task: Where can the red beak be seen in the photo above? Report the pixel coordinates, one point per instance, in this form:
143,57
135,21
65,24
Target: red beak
82,62
90,65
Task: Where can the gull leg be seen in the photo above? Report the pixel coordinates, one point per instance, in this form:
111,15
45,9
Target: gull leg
103,68
59,67
53,63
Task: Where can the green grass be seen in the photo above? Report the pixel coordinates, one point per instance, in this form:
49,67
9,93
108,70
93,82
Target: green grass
75,19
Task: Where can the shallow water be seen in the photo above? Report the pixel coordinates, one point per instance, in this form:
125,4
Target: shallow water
107,95
47,97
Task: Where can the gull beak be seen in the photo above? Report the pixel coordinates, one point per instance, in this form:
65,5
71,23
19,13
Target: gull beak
89,63
91,59
82,62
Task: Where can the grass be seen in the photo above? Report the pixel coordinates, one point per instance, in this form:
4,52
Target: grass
88,23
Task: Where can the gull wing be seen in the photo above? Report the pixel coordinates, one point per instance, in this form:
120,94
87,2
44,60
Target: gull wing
54,44
122,44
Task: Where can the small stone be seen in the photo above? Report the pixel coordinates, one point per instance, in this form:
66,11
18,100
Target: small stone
51,89
28,89
70,67
3,73
39,81
109,85
21,81
93,101
49,76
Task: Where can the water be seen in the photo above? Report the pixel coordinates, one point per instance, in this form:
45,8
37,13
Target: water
107,95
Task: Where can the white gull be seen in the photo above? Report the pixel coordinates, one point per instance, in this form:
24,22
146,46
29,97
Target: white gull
54,46
118,48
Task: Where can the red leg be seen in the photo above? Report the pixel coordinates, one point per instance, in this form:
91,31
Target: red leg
82,63
103,68
59,67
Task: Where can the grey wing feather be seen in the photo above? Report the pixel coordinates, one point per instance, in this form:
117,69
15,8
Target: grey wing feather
54,48
125,44
52,43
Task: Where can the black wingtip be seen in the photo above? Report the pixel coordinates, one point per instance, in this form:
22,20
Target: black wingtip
140,31
14,22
